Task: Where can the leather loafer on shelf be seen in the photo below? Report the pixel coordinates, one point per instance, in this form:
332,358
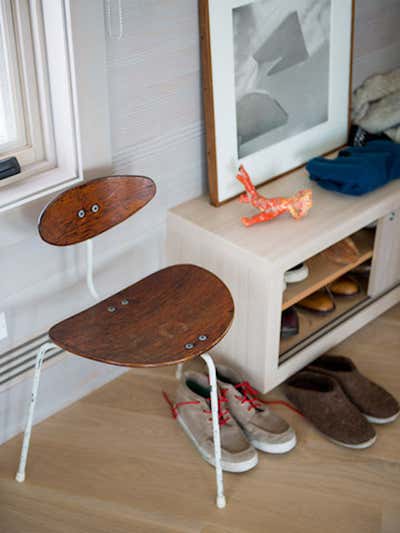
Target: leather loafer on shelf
289,323
343,252
345,286
320,302
363,270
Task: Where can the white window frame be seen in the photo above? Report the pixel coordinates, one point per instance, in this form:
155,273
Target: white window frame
24,36
11,66
73,100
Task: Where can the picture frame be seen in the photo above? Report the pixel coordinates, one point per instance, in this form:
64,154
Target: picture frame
276,86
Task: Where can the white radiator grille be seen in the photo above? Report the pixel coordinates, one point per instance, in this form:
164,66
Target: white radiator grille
21,359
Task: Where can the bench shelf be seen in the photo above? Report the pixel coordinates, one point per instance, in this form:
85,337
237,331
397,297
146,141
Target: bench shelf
252,262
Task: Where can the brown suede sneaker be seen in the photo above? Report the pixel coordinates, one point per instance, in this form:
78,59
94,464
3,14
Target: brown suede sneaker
374,402
193,412
324,403
265,430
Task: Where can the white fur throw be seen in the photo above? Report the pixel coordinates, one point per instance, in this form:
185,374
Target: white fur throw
376,104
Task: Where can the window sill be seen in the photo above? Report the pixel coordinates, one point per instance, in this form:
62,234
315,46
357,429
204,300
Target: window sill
20,192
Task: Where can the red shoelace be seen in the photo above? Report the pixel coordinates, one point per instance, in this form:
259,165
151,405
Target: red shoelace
247,395
250,395
223,414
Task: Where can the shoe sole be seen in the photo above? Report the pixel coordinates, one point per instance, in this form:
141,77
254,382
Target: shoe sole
296,277
360,446
235,468
374,420
287,334
316,311
279,448
344,296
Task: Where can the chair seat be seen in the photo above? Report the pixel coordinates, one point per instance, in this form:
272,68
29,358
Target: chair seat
166,318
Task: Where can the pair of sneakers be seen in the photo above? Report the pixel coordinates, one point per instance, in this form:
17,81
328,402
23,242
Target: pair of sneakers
245,423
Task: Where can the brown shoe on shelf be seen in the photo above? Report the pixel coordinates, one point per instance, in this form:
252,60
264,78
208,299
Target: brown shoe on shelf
363,270
376,404
342,252
344,286
324,403
320,302
289,323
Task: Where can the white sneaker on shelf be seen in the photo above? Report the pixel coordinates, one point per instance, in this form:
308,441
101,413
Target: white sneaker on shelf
297,273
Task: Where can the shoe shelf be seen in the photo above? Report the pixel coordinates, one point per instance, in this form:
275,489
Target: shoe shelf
323,271
313,325
252,262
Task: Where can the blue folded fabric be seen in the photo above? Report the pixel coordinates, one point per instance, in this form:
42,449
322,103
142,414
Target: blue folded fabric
389,147
358,170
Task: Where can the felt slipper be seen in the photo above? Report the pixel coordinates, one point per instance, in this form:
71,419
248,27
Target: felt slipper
323,402
378,405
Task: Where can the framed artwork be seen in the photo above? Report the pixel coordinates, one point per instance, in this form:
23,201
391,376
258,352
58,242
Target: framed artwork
276,85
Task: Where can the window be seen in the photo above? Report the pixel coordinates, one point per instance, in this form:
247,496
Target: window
52,90
21,121
12,128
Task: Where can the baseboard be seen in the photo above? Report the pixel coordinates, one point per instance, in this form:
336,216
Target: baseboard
63,382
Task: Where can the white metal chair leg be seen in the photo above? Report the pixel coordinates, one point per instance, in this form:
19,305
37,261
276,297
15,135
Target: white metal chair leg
179,370
89,270
221,502
27,435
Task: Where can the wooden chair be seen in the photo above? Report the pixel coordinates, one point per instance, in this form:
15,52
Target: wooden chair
167,318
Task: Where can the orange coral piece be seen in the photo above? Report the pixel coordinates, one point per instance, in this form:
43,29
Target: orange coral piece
298,205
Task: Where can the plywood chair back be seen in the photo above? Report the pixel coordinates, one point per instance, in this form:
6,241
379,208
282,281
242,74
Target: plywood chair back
86,210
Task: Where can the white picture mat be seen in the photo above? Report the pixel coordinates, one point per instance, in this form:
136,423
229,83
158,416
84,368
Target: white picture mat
294,151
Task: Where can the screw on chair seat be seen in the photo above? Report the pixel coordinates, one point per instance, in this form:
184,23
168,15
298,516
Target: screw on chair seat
171,316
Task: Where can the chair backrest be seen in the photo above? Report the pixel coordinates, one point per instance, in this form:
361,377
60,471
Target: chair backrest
87,210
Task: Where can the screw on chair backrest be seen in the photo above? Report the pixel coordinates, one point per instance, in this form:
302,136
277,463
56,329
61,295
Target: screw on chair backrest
86,210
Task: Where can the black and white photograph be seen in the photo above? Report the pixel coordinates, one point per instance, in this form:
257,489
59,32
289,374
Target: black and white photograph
281,56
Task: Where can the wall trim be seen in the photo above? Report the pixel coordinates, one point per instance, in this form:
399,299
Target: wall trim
71,377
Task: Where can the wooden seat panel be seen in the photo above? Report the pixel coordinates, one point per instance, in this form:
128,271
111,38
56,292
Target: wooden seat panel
151,322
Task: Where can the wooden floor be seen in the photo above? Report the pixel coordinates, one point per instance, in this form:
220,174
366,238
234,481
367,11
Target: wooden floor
116,462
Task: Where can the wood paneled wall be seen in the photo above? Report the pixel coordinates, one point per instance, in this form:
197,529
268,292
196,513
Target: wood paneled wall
157,130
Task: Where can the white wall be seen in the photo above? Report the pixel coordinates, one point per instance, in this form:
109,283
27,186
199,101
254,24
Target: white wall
157,130
376,38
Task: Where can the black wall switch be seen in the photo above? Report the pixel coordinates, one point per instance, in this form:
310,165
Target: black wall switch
9,167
